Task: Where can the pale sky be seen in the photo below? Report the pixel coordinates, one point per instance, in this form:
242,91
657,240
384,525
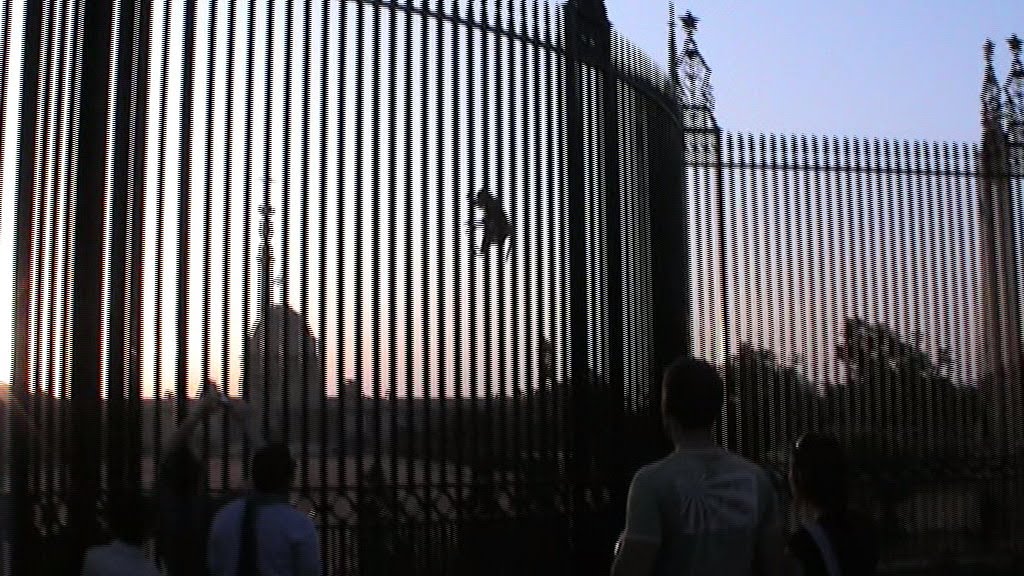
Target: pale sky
899,69
909,69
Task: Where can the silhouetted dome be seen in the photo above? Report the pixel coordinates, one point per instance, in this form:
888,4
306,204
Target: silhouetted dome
284,376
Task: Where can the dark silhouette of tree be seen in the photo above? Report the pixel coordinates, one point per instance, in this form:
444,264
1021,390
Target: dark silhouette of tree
893,384
769,402
901,412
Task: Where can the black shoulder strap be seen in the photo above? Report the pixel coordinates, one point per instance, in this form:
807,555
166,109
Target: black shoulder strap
248,564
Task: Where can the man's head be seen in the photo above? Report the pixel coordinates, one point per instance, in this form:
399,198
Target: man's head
273,469
692,394
129,517
817,472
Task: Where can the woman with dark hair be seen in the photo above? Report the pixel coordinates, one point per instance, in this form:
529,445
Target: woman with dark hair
833,540
185,509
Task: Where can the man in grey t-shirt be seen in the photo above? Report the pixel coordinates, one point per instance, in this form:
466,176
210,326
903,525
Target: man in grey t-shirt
700,510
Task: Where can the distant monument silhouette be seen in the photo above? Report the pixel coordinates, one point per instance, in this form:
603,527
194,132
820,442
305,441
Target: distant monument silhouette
280,347
1000,342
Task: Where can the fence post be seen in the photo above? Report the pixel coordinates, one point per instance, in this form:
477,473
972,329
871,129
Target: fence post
1001,339
124,394
22,559
614,450
90,184
588,43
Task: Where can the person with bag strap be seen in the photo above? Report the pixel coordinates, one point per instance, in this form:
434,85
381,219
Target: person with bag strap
262,534
834,540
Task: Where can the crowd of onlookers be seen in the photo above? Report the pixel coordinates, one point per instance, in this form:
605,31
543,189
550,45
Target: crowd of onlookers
258,533
699,510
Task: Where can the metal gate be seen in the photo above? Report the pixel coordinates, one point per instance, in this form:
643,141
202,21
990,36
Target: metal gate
437,246
870,288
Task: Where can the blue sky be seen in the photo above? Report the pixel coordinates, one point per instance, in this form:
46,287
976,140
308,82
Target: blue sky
904,69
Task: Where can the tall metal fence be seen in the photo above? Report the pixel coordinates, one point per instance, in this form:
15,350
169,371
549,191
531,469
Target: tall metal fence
871,288
415,236
443,248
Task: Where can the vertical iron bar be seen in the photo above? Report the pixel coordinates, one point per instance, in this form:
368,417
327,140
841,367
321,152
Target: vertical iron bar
158,293
956,265
727,419
225,360
5,55
774,297
392,255
931,216
342,392
943,290
471,100
324,419
858,259
35,407
512,398
865,179
889,269
47,385
694,176
919,234
616,473
306,330
964,157
67,239
211,84
442,319
425,171
184,212
847,221
457,373
90,199
874,245
834,321
808,308
375,235
264,319
550,99
488,184
21,544
789,315
286,221
903,319
577,223
407,254
723,262
137,188
758,181
117,351
712,266
359,277
532,195
745,267
248,366
502,194
822,334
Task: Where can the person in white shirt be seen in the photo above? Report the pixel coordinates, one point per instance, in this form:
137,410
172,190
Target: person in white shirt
700,510
129,518
262,533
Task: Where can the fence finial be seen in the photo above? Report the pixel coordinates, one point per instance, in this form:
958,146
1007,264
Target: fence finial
991,97
696,79
673,54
